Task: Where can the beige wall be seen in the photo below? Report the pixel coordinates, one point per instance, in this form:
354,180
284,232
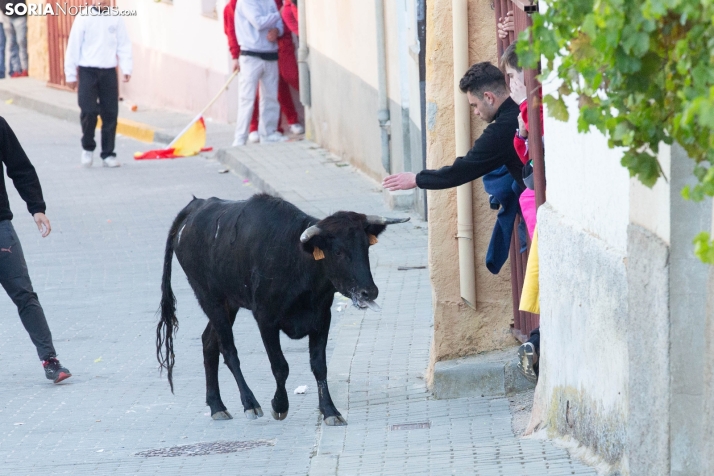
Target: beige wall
458,329
37,46
344,32
343,61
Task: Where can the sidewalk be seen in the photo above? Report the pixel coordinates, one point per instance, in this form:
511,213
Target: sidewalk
376,370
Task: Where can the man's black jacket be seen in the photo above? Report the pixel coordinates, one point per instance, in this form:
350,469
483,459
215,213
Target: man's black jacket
490,151
21,171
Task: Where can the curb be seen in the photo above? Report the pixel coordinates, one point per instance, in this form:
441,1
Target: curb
235,164
135,130
41,107
483,375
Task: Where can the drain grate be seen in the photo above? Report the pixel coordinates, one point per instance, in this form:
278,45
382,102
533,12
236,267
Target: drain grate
411,426
204,449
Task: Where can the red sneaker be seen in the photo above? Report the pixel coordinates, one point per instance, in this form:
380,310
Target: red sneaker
19,74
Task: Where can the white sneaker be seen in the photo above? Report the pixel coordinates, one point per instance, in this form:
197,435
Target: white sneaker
110,162
274,137
297,129
87,158
253,137
238,142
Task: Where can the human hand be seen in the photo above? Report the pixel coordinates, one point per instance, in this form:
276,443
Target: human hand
401,181
273,34
518,90
43,224
127,77
236,65
506,24
71,85
522,131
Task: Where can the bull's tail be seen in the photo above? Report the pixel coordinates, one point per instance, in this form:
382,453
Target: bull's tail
168,323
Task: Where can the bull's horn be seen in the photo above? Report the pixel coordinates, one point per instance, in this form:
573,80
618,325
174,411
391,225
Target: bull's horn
309,233
377,220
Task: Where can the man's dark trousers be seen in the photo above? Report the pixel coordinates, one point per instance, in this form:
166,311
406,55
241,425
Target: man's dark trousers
16,281
98,93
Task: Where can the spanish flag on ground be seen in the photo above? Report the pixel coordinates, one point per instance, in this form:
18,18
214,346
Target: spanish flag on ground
191,140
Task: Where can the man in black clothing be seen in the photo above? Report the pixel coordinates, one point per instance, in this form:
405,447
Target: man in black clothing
486,90
14,276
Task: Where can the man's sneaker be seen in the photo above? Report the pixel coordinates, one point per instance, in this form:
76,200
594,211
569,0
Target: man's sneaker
297,129
274,137
110,162
19,74
253,137
54,370
87,158
527,360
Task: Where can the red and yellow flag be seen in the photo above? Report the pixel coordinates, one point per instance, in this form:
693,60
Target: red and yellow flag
190,142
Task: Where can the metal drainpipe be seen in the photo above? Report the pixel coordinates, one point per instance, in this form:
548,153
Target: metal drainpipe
303,68
462,130
383,97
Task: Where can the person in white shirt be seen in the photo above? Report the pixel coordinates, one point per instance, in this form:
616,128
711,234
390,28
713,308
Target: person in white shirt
258,25
96,40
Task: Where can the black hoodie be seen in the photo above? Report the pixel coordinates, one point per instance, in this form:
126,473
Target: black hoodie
490,151
21,171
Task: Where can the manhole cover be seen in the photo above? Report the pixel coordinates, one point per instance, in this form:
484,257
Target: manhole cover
204,449
411,426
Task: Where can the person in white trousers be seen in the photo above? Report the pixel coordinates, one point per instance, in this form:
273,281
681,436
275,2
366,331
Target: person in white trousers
258,26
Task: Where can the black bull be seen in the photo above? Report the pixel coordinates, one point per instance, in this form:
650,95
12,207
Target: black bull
266,255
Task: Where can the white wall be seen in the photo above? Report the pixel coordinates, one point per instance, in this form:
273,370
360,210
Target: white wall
181,58
180,30
583,284
585,180
650,207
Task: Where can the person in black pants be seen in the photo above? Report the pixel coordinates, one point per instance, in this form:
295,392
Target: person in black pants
98,43
14,276
98,93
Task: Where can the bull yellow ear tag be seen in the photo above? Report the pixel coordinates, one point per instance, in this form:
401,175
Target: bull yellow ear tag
318,254
373,240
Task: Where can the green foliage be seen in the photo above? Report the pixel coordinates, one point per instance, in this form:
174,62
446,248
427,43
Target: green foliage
644,73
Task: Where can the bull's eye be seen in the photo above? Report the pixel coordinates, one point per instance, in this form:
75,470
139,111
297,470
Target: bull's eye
338,253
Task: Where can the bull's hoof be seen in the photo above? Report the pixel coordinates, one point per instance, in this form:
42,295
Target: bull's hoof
224,415
335,421
253,413
279,416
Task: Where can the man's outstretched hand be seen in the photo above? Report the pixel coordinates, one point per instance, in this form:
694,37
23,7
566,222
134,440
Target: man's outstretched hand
401,181
43,224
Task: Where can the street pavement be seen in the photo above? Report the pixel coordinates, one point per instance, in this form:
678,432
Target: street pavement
98,278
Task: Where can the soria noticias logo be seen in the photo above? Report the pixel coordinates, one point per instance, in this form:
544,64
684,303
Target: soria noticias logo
47,9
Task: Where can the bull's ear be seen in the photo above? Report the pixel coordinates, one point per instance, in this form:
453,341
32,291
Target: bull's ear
316,242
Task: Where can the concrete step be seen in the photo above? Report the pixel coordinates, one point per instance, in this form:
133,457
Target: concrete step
483,375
